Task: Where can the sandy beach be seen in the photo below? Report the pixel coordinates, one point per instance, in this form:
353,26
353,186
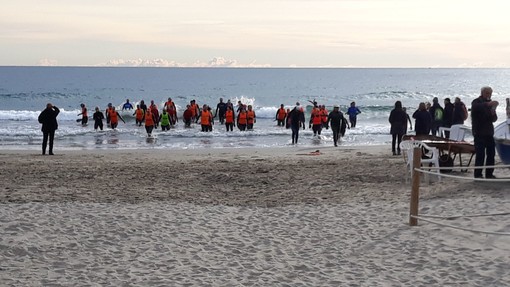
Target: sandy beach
242,217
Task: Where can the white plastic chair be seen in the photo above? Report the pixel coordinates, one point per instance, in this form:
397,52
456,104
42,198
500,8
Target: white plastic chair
457,132
431,152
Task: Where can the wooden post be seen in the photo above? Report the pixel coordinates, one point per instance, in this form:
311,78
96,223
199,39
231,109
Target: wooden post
415,191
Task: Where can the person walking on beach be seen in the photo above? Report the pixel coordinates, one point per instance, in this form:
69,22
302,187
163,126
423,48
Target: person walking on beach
337,122
423,120
448,115
437,113
408,120
460,112
483,115
398,121
296,120
84,115
98,119
281,114
353,112
48,119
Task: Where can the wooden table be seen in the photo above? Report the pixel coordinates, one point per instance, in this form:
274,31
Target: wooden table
446,146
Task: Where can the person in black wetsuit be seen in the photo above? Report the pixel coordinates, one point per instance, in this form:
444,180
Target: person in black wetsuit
98,119
48,119
337,122
221,108
297,120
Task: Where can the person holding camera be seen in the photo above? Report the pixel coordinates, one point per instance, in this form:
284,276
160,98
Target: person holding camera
48,119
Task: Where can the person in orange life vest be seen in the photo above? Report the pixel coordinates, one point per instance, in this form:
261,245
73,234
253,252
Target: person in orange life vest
281,114
149,122
172,111
229,119
107,113
324,114
84,115
139,115
251,118
187,116
155,113
206,118
169,104
316,121
195,111
287,120
114,118
242,119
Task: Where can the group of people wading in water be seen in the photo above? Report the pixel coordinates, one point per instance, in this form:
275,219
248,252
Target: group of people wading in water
242,115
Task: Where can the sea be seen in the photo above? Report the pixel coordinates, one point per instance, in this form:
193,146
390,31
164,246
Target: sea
25,91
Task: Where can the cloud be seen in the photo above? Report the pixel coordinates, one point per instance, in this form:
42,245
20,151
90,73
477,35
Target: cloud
214,62
48,62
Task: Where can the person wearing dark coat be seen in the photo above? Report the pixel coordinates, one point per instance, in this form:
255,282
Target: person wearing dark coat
48,119
448,116
423,120
338,123
296,120
398,121
437,114
483,115
460,112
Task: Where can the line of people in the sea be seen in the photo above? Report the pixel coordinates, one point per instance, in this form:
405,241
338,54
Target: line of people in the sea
243,116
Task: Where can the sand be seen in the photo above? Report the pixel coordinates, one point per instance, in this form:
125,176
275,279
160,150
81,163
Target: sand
242,217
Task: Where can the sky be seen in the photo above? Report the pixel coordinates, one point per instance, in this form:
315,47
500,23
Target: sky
255,33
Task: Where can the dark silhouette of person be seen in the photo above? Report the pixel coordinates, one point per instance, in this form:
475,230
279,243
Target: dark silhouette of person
48,119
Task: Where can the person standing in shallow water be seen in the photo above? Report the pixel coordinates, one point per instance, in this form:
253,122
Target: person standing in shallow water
296,120
98,119
353,112
48,119
337,121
